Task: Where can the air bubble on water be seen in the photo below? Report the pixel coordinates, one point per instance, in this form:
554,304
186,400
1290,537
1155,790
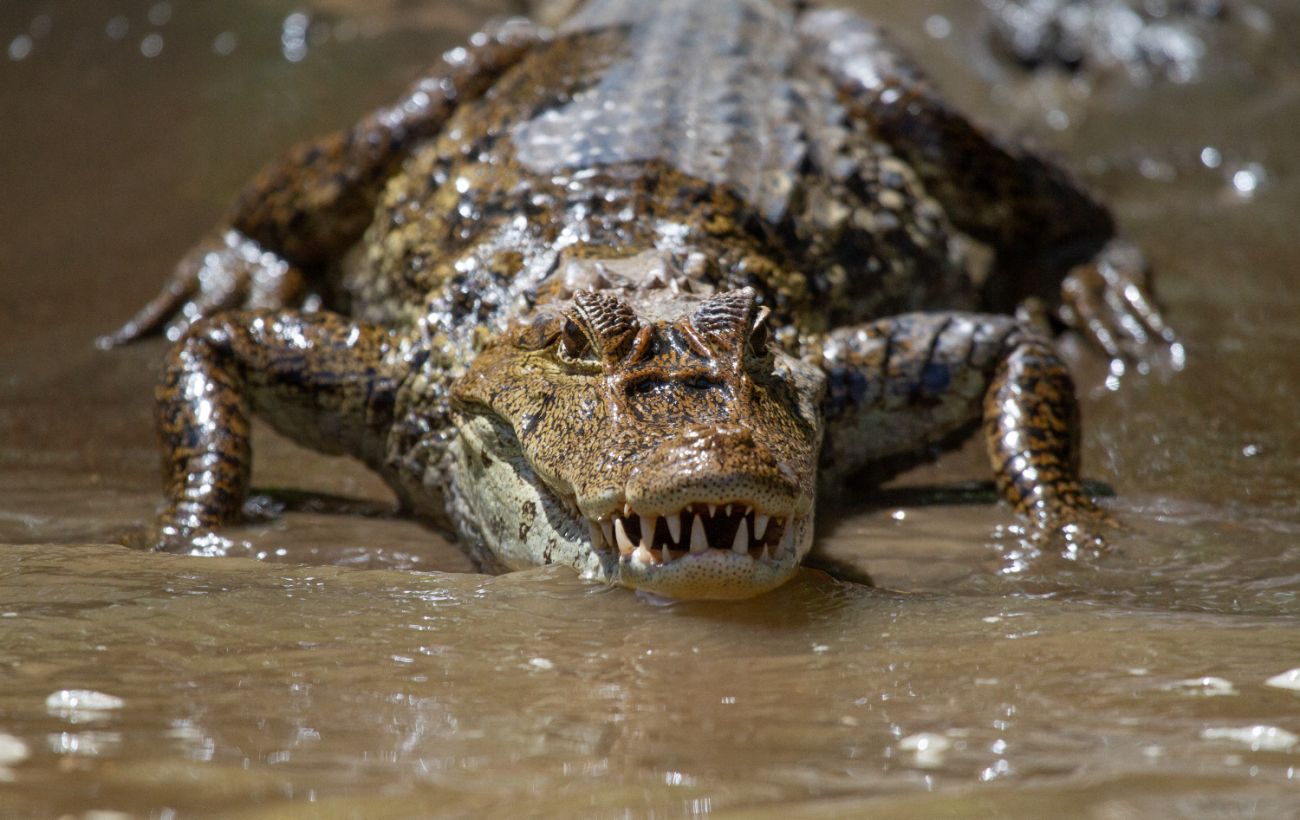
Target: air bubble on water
938,26
293,36
928,748
224,43
160,13
117,27
1177,356
20,47
1247,180
152,45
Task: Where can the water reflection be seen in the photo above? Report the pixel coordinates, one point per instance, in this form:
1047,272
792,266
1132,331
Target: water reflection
359,665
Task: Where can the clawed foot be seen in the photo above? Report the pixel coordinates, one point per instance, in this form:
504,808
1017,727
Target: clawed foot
162,537
1109,302
1074,531
224,271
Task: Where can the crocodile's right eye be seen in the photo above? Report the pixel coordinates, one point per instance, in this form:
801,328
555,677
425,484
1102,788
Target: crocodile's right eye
574,344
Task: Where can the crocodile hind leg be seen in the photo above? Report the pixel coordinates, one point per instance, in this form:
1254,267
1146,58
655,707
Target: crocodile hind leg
324,381
302,213
902,389
1053,241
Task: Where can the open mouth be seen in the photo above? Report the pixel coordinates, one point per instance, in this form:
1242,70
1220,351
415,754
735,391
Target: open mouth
695,530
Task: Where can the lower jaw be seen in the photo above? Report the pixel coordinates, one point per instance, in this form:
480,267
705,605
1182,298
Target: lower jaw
715,574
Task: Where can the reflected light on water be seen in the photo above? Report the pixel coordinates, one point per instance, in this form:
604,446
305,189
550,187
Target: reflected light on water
335,675
293,36
20,47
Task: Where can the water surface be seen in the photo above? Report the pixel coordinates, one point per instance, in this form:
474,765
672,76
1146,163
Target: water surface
352,665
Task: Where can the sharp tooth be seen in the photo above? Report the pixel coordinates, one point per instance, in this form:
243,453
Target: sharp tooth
674,527
648,531
699,541
627,510
608,530
787,540
667,556
760,525
643,556
713,510
740,544
767,554
728,510
597,537
620,535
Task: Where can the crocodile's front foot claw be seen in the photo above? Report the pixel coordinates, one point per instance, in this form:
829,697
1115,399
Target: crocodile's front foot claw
1073,530
162,536
225,270
1109,302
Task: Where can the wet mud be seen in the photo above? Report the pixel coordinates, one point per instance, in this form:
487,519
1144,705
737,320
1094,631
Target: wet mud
348,662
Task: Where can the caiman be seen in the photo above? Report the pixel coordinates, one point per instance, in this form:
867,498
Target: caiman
635,294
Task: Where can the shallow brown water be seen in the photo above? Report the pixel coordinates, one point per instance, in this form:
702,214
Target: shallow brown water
359,670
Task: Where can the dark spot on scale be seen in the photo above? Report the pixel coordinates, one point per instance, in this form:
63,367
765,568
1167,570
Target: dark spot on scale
529,421
529,510
546,553
935,378
524,527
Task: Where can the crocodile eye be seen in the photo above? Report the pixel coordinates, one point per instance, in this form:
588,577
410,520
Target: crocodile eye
574,344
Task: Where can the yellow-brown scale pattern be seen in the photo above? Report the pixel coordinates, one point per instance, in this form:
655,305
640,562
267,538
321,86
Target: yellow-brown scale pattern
633,297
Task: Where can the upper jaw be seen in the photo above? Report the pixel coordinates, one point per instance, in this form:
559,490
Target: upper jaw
739,527
703,550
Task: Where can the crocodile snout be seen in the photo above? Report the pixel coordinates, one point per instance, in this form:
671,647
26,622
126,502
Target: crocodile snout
712,465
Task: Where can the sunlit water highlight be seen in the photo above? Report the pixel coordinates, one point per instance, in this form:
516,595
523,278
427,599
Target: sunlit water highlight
351,663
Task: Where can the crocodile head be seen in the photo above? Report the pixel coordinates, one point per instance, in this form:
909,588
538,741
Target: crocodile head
649,437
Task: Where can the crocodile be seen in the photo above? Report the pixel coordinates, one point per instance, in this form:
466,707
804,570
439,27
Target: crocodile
638,294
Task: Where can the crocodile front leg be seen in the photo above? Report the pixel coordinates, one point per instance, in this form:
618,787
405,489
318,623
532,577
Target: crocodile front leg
901,389
304,211
1053,240
324,381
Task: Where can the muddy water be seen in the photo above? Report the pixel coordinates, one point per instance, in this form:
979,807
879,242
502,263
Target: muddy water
349,665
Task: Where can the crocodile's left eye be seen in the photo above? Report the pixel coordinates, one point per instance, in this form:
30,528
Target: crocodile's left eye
574,344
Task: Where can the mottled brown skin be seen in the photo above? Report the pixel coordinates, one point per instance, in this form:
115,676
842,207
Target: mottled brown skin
625,367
